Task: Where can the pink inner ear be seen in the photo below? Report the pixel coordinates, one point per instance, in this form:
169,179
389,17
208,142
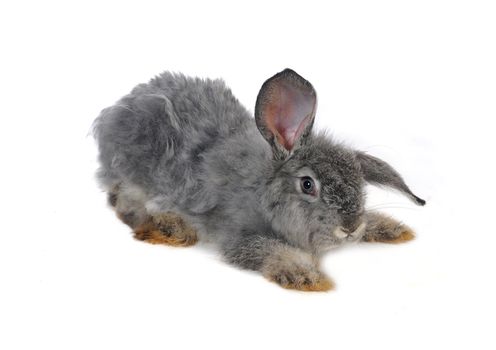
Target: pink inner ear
290,110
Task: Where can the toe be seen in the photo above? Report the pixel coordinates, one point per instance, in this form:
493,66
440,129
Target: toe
308,282
405,236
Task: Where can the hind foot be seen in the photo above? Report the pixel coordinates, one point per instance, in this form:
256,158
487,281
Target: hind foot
381,228
167,229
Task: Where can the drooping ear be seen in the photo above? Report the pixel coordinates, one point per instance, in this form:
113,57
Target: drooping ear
285,111
378,172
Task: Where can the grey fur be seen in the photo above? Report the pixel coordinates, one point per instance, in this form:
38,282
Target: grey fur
187,146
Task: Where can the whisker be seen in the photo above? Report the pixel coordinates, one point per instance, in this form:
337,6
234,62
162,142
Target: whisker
388,203
390,207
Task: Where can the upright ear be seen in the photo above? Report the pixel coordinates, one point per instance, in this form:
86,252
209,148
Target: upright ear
285,111
378,172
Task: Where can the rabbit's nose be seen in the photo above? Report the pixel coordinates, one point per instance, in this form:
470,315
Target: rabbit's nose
350,232
350,228
350,223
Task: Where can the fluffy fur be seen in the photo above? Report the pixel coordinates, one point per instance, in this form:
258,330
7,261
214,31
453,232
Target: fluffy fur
186,150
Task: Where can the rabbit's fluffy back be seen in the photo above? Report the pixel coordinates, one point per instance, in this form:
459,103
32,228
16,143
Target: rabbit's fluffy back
188,145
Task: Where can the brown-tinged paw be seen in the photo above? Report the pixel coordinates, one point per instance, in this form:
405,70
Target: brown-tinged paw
384,229
167,229
294,269
406,234
301,279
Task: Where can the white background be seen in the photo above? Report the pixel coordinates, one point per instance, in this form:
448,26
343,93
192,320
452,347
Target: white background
412,82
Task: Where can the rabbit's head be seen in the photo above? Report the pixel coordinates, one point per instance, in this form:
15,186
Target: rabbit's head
315,196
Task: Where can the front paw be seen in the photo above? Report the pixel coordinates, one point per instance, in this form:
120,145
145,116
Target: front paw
384,229
292,270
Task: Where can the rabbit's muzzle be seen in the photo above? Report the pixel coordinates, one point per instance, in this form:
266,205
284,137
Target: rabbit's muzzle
350,232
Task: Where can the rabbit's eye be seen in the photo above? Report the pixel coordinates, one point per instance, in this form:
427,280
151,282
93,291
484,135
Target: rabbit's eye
307,185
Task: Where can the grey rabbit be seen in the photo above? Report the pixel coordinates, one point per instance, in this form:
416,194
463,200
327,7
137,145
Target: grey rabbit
182,160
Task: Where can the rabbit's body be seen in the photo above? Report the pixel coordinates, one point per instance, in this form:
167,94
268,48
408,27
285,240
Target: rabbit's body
185,146
182,159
